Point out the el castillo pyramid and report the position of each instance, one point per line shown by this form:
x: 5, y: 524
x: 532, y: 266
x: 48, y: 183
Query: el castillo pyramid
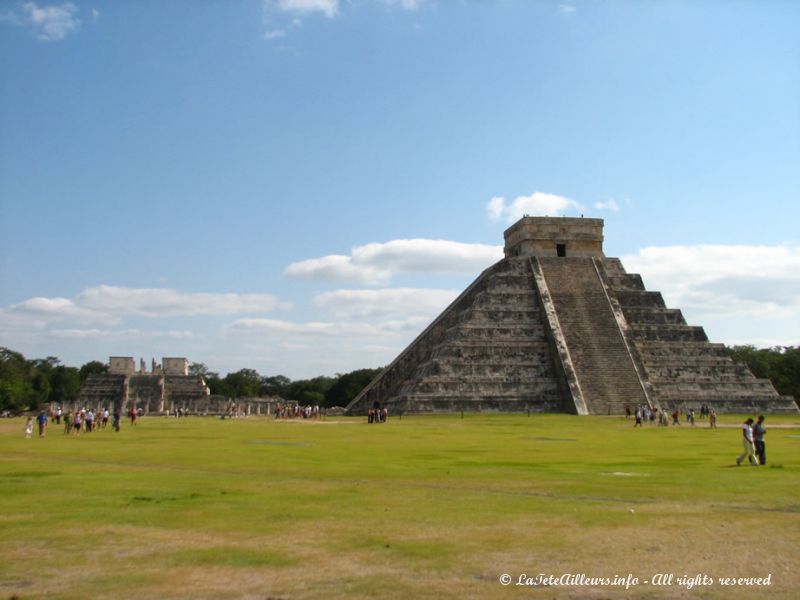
x: 556, y: 326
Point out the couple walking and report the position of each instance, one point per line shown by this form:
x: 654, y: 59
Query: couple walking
x: 755, y: 450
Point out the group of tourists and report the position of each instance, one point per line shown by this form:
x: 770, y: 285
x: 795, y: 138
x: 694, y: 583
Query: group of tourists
x: 646, y: 414
x: 377, y: 414
x: 85, y: 420
x: 755, y: 450
x: 753, y: 431
x: 296, y: 411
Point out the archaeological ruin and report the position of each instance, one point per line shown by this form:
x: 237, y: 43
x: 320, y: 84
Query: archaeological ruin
x: 556, y: 326
x: 165, y: 388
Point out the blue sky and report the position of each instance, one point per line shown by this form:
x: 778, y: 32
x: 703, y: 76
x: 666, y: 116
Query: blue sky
x: 300, y: 186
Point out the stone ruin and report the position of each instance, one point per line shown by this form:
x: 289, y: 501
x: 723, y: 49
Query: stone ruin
x: 556, y: 326
x: 164, y: 388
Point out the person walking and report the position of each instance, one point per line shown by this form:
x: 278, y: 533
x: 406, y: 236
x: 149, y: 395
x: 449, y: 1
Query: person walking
x: 29, y: 428
x: 89, y: 421
x: 759, y: 431
x: 747, y: 443
x: 42, y: 421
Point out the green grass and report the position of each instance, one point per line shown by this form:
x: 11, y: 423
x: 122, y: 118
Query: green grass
x: 423, y: 507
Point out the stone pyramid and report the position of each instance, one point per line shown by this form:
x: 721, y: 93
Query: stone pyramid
x: 556, y: 326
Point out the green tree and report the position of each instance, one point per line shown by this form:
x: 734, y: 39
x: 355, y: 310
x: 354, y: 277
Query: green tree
x: 65, y: 384
x: 780, y: 364
x: 348, y: 386
x: 245, y: 383
x: 216, y: 385
x: 94, y: 367
x: 201, y: 369
x: 274, y: 385
x: 16, y: 382
x: 309, y: 391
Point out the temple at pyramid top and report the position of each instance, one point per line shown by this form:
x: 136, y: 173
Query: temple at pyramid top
x: 557, y: 326
x: 555, y: 236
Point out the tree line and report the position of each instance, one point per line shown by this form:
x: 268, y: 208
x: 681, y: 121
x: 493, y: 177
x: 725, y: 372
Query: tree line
x: 780, y: 364
x: 322, y: 391
x: 27, y: 384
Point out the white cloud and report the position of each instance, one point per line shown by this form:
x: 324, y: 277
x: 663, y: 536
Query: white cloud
x: 95, y: 15
x: 327, y: 7
x: 537, y: 204
x: 743, y: 284
x: 109, y: 305
x: 424, y: 255
x: 321, y: 328
x: 566, y: 9
x: 376, y: 263
x: 405, y: 4
x: 609, y: 204
x: 162, y: 302
x: 335, y: 267
x: 118, y: 334
x: 48, y: 23
x: 281, y: 17
x: 274, y: 34
x: 37, y: 312
x: 359, y: 304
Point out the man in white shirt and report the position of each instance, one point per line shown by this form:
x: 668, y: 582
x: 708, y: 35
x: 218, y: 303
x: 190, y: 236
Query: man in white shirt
x: 747, y: 442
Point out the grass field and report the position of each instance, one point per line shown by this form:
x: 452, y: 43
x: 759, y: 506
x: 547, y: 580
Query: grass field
x: 423, y: 507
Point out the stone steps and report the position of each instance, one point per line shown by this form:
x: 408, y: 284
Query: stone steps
x: 423, y: 403
x: 637, y: 315
x: 670, y: 349
x: 103, y: 389
x: 667, y: 332
x: 683, y: 368
x: 602, y: 364
x: 632, y: 298
x: 723, y: 375
x: 488, y: 347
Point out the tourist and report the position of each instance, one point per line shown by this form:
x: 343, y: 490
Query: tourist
x: 89, y: 420
x: 42, y: 421
x: 115, y: 422
x: 58, y: 416
x: 105, y: 417
x: 747, y: 443
x: 759, y: 431
x: 132, y: 414
x: 76, y: 422
x: 638, y: 416
x: 29, y: 428
x: 690, y: 417
x: 712, y: 418
x: 68, y: 423
x: 676, y: 417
